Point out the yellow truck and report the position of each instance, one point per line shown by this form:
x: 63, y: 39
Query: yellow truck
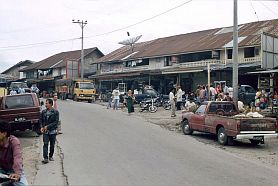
x: 77, y: 89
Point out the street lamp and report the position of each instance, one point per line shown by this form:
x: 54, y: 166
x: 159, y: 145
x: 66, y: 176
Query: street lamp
x: 82, y: 25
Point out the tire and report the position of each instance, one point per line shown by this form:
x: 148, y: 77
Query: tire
x: 90, y: 101
x: 254, y: 142
x: 74, y: 97
x: 185, y: 128
x: 222, y: 136
x: 152, y: 109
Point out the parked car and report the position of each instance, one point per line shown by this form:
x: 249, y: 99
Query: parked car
x: 218, y: 117
x: 22, y: 111
x: 16, y: 85
x: 246, y: 94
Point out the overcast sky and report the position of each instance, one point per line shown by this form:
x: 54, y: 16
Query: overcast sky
x: 37, y: 29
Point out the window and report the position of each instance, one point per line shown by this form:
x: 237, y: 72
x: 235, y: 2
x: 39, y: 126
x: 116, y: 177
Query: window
x: 167, y: 61
x: 249, y: 52
x: 201, y: 109
x: 196, y: 56
x: 144, y: 62
x: 229, y: 53
x: 87, y: 86
x: 226, y: 107
x: 29, y: 75
x: 249, y: 89
x: 151, y: 92
x: 21, y: 101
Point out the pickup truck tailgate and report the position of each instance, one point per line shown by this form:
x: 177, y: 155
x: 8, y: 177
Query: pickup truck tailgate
x: 258, y: 124
x: 12, y: 115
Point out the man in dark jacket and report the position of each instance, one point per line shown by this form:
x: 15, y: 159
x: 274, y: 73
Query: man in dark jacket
x: 49, y: 121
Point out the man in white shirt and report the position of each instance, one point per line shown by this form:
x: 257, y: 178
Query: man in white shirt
x: 179, y: 98
x: 116, y: 98
x: 13, y: 92
x: 212, y: 93
x: 173, y: 103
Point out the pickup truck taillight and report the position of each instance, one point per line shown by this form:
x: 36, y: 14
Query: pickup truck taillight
x: 238, y: 125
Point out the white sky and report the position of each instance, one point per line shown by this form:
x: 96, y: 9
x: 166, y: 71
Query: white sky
x: 25, y: 22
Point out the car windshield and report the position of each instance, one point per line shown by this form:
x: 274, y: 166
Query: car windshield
x: 20, y: 101
x: 151, y: 92
x: 87, y: 86
x: 250, y: 89
x: 18, y: 84
x: 201, y: 109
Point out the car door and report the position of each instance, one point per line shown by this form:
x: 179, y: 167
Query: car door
x: 198, y: 119
x: 210, y: 118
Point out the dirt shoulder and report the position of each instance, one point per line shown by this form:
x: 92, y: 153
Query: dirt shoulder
x: 267, y: 153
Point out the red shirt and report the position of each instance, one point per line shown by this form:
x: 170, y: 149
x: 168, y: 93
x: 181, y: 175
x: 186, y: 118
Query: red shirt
x: 11, y: 156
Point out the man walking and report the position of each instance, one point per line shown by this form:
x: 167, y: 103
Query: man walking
x: 49, y: 119
x: 116, y: 98
x: 173, y: 103
x: 55, y: 106
x: 179, y: 98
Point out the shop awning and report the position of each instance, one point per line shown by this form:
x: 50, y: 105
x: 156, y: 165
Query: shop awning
x: 181, y: 71
x: 114, y: 76
x: 264, y: 72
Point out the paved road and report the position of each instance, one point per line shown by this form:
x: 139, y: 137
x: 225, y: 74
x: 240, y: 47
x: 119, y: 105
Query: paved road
x: 106, y: 147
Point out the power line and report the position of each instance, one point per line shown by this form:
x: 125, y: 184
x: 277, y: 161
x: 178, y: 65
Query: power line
x: 106, y: 33
x: 268, y: 8
x: 254, y: 9
x: 35, y: 44
x: 144, y: 20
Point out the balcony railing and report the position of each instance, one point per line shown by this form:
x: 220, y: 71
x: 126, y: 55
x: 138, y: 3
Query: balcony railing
x: 245, y: 60
x: 130, y: 69
x: 203, y: 63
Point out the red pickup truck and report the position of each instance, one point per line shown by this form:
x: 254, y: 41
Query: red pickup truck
x: 22, y: 111
x: 219, y: 117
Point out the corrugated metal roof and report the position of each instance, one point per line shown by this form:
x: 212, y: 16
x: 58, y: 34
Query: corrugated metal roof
x: 58, y: 60
x: 21, y: 63
x: 197, y: 41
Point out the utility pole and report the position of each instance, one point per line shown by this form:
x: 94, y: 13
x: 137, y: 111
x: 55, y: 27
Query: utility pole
x: 209, y: 82
x: 82, y: 25
x: 235, y: 55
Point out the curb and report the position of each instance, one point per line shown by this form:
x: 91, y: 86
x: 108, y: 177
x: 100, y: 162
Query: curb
x: 51, y: 173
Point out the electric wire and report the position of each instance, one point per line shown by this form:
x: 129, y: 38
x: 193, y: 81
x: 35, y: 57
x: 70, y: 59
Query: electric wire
x: 268, y: 8
x: 254, y: 10
x: 13, y: 47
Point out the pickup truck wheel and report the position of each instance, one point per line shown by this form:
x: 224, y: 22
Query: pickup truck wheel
x: 186, y: 128
x: 254, y: 142
x: 222, y: 136
x: 74, y: 98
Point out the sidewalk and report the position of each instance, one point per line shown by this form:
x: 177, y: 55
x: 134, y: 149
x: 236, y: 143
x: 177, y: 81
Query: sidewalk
x: 52, y: 172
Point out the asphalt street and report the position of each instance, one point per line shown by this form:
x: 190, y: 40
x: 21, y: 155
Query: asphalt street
x: 107, y: 147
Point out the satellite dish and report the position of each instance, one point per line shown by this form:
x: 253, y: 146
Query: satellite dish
x: 130, y: 41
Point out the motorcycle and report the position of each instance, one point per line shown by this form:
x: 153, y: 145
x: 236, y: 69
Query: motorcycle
x: 149, y: 104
